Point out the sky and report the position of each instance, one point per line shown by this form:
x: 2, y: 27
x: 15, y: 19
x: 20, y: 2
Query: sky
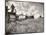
x: 28, y: 8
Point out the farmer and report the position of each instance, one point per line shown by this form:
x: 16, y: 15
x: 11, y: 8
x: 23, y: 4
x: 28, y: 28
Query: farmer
x: 12, y: 7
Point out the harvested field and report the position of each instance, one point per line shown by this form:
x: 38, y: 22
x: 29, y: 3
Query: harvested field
x: 25, y: 26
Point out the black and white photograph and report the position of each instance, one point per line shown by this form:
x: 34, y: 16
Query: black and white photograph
x: 24, y: 17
